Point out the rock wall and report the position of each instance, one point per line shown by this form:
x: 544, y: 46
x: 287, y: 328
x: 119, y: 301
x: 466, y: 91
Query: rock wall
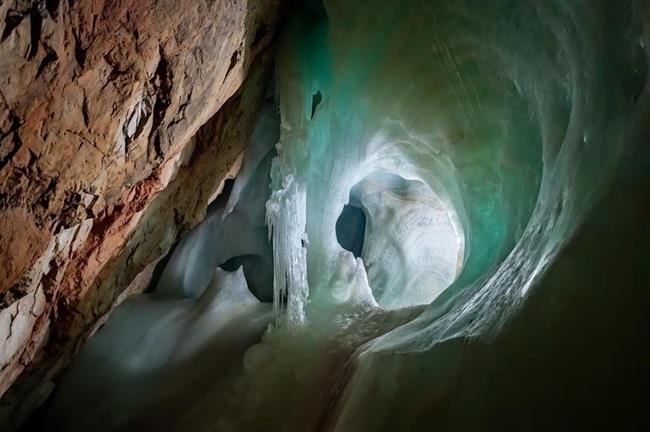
x: 119, y: 121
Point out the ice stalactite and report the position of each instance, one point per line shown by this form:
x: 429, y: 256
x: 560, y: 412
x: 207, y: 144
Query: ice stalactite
x: 286, y: 222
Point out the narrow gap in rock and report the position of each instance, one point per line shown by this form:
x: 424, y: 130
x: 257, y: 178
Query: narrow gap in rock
x: 234, y: 59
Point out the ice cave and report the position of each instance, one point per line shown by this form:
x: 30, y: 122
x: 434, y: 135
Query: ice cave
x: 438, y: 218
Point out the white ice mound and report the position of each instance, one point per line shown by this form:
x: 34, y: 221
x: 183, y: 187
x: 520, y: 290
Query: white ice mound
x: 349, y: 282
x: 155, y: 350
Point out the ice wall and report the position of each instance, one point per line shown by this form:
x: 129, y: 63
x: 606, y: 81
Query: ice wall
x: 399, y: 99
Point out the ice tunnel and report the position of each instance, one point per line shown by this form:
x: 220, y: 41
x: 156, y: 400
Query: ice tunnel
x: 441, y: 224
x: 409, y: 241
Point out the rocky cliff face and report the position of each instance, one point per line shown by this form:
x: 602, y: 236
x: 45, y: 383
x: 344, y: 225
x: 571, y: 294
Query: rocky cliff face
x: 119, y: 121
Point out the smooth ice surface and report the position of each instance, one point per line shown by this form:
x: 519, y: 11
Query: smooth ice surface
x: 162, y: 362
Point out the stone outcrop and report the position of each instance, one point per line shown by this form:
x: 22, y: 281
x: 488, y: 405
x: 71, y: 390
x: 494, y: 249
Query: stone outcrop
x: 119, y: 121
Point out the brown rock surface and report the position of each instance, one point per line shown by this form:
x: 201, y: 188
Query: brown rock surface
x: 109, y: 149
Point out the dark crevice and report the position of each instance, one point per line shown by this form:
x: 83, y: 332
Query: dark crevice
x: 16, y: 142
x: 52, y: 7
x: 234, y: 59
x: 36, y: 22
x: 15, y: 124
x: 316, y: 99
x: 79, y: 52
x: 159, y: 268
x: 157, y: 146
x: 50, y: 58
x: 224, y: 195
x: 115, y: 74
x: 84, y: 110
x: 12, y: 20
x: 162, y: 83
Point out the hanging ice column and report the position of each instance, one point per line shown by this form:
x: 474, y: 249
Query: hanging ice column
x: 311, y: 180
x: 302, y: 72
x: 286, y: 220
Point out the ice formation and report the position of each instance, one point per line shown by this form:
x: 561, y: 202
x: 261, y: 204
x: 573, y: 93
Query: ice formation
x: 412, y: 246
x: 500, y: 116
x: 162, y: 363
x: 233, y: 232
x: 477, y: 137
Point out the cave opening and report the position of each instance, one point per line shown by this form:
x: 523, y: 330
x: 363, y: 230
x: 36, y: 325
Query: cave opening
x: 409, y: 240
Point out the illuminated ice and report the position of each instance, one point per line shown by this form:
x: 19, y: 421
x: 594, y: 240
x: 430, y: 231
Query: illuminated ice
x: 413, y: 246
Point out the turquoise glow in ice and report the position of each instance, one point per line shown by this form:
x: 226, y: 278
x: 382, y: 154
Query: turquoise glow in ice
x: 412, y: 97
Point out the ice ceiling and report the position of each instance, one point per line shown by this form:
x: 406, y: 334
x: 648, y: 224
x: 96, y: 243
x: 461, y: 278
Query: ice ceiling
x: 475, y: 138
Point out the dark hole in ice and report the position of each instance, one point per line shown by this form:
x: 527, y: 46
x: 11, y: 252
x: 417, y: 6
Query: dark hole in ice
x: 316, y: 99
x: 351, y: 229
x: 259, y: 276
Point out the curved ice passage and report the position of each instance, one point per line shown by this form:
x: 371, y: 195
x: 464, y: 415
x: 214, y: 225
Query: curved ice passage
x: 507, y: 112
x: 526, y: 123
